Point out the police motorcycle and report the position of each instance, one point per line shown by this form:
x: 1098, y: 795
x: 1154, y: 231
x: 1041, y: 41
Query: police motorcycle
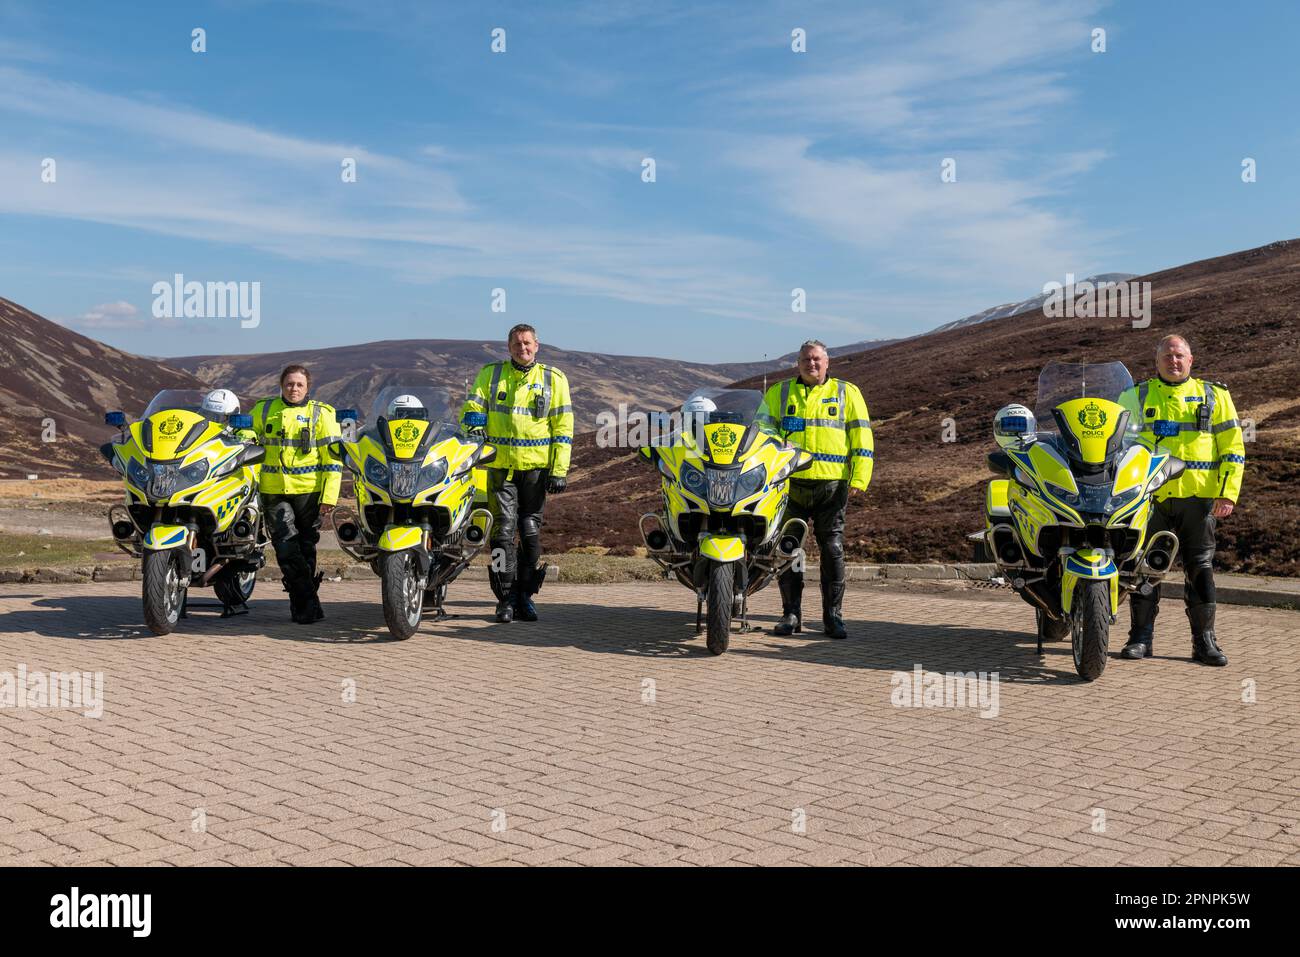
x: 1066, y: 519
x: 192, y: 513
x: 724, y: 471
x: 415, y: 523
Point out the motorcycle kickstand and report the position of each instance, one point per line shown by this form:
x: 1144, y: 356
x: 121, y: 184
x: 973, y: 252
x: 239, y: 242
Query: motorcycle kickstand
x: 699, y: 614
x: 230, y: 611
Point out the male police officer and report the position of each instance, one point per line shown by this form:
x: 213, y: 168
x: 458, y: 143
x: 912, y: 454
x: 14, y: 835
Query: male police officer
x: 828, y: 418
x: 523, y: 407
x: 1196, y: 421
x: 299, y: 483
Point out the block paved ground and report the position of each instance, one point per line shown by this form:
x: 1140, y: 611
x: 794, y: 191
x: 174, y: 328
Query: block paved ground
x: 541, y: 743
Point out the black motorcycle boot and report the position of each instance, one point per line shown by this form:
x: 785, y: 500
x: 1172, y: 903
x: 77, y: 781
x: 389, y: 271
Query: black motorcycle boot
x: 301, y: 597
x: 313, y: 609
x: 1142, y: 623
x: 295, y: 609
x: 525, y: 610
x: 506, y: 604
x: 791, y: 605
x: 1204, y: 648
x: 832, y: 599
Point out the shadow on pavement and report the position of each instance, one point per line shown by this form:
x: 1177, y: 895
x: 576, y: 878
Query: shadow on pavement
x: 643, y: 631
x: 873, y: 644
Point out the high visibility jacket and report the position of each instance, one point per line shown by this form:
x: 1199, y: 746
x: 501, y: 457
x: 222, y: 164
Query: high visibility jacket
x: 830, y: 421
x: 1196, y: 421
x: 527, y: 415
x: 297, y: 440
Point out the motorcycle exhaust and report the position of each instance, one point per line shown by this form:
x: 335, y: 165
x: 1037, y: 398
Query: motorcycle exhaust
x: 1005, y: 547
x: 656, y: 540
x: 123, y: 530
x: 480, y: 525
x: 1159, y: 556
x: 793, y: 533
x: 347, y: 532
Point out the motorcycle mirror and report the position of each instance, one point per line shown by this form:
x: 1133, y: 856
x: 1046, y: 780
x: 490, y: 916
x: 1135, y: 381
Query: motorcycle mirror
x: 1175, y: 467
x: 106, y: 450
x: 115, y: 418
x: 336, y: 449
x: 253, y: 454
x: 648, y: 453
x: 486, y: 454
x: 802, y: 461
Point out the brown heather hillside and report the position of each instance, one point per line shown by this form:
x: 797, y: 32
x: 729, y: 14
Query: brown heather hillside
x: 1239, y: 311
x: 350, y: 376
x: 48, y: 371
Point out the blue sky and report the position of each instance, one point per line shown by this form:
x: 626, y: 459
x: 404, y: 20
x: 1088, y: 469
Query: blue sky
x: 522, y: 170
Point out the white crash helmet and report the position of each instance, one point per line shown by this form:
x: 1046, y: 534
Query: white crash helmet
x: 699, y: 405
x: 403, y: 404
x: 221, y: 402
x: 1013, y: 422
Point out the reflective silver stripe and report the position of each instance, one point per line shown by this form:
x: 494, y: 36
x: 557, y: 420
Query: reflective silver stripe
x: 785, y: 396
x: 275, y: 443
x: 1207, y: 390
x: 315, y: 414
x: 1142, y: 397
x: 1225, y: 425
x: 826, y: 423
x: 266, y: 411
x: 561, y: 410
x: 492, y: 390
x: 543, y: 408
x: 841, y: 396
x: 516, y: 409
x: 858, y: 424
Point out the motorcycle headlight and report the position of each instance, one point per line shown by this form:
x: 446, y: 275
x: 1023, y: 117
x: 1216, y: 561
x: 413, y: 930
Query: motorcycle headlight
x: 376, y: 473
x: 402, y: 479
x: 722, y: 487
x: 193, y: 474
x: 693, y: 481
x: 1064, y: 494
x: 433, y: 473
x: 167, y: 478
x: 138, y: 474
x: 1123, y: 498
x: 750, y: 482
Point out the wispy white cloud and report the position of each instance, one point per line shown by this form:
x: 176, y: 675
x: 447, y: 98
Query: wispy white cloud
x: 109, y: 315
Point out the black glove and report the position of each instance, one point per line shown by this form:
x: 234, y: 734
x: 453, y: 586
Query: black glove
x: 555, y: 483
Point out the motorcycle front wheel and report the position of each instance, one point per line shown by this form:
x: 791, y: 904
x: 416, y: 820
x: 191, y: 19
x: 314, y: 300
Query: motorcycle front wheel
x: 403, y: 593
x: 1090, y: 628
x: 722, y: 580
x: 163, y: 589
